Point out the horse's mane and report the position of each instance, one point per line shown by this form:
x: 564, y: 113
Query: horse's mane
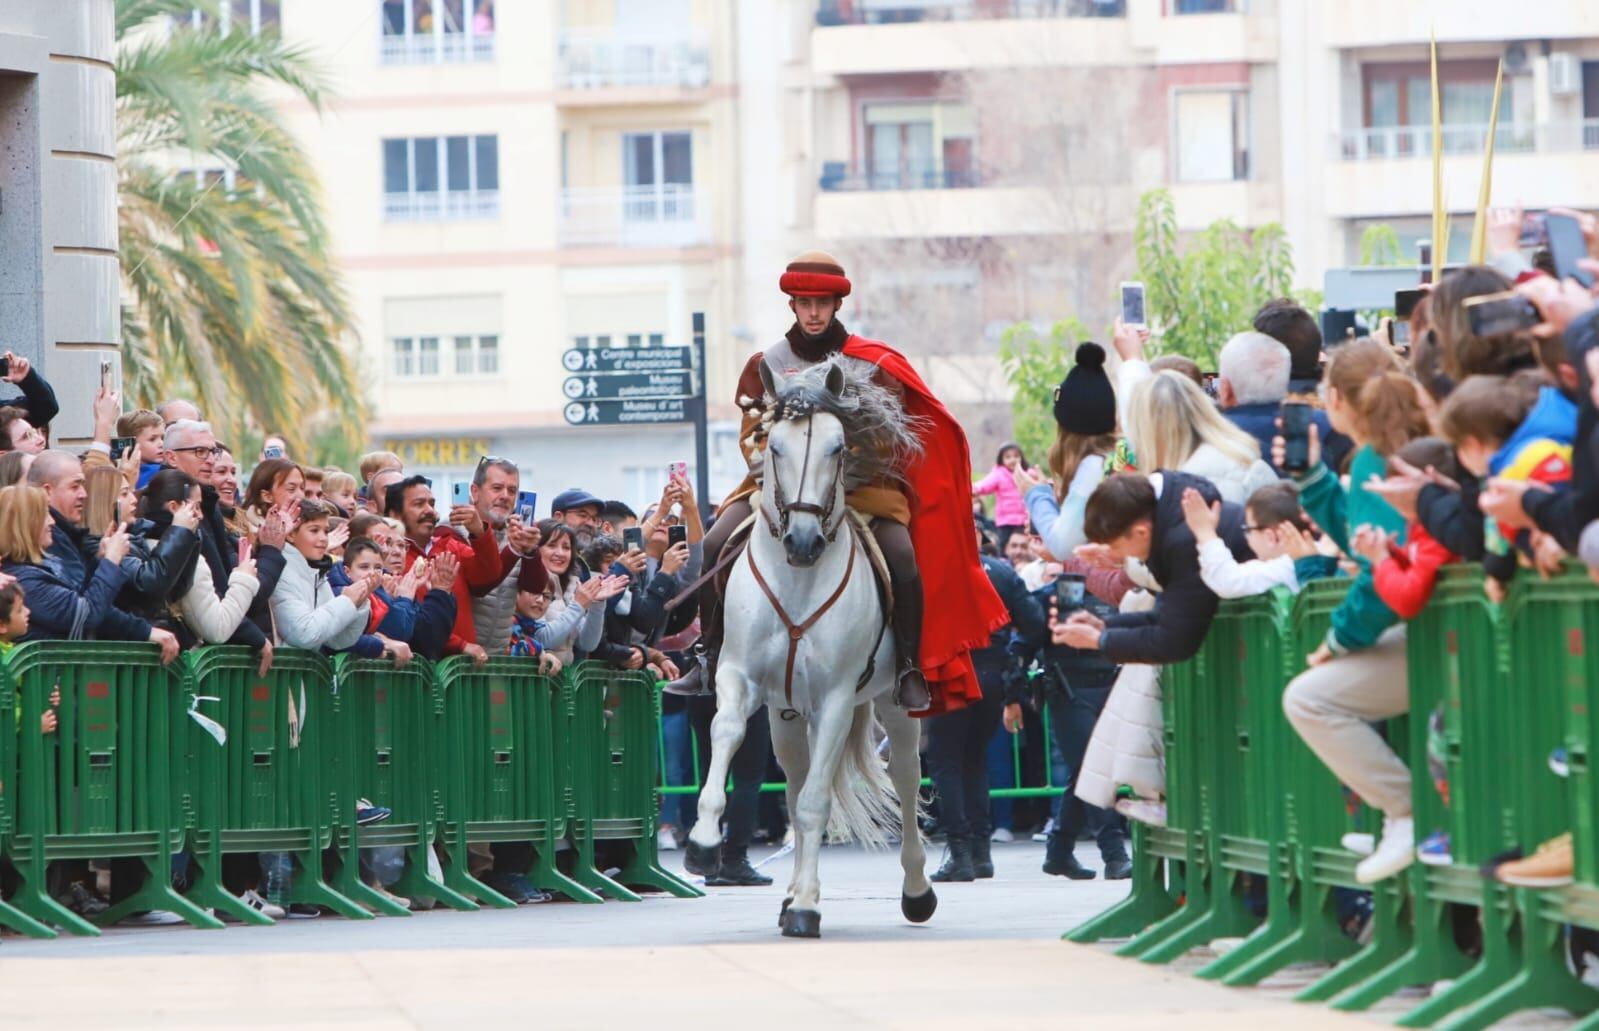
x: 881, y: 436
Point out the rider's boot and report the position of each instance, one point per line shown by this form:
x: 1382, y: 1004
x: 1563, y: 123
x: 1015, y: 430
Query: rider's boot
x: 910, y: 687
x: 700, y: 677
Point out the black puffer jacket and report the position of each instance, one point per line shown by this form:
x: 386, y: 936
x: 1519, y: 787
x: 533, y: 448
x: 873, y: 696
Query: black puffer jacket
x: 159, y: 567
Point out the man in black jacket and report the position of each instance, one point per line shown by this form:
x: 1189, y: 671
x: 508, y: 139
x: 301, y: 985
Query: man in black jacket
x: 38, y: 400
x: 1136, y: 516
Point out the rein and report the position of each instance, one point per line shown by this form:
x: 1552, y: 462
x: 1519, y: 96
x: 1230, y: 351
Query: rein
x: 786, y: 508
x: 796, y: 631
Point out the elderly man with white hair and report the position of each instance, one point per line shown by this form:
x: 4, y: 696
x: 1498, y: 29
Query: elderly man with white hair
x: 1251, y: 383
x: 176, y: 409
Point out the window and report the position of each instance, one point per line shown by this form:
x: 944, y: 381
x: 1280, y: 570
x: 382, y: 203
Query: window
x: 437, y: 31
x: 451, y: 177
x: 1212, y: 135
x: 658, y: 174
x: 427, y: 356
x: 581, y: 343
x: 919, y: 145
x: 1397, y: 109
x: 477, y: 356
x: 488, y: 355
x: 462, y: 355
x: 657, y: 340
x: 1205, y: 6
x: 246, y: 15
x: 404, y: 356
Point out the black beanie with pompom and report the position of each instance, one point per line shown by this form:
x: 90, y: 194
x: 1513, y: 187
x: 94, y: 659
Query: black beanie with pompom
x: 1084, y: 402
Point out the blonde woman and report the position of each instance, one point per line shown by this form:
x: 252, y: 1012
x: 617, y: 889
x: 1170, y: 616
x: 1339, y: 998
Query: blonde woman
x: 1171, y: 424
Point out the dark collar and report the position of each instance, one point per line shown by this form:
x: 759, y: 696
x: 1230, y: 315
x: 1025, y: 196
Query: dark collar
x: 815, y: 349
x: 63, y: 523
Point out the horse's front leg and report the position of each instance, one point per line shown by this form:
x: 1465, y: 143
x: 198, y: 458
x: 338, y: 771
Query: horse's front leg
x: 828, y: 741
x: 917, y: 900
x: 792, y: 746
x: 734, y: 703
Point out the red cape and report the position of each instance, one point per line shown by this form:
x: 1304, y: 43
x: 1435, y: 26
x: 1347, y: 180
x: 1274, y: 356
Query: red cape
x: 962, y: 609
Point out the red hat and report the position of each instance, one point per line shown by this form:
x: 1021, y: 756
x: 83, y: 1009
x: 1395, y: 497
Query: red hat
x: 814, y: 274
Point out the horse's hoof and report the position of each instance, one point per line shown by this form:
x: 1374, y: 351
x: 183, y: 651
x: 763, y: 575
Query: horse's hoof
x: 918, y: 909
x: 781, y: 913
x: 801, y: 923
x: 698, y: 859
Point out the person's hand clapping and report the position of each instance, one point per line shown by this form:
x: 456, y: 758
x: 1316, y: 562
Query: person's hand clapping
x: 1026, y: 479
x: 1202, y: 518
x: 1296, y: 544
x: 246, y: 559
x: 1098, y: 555
x: 358, y: 592
x: 413, y: 579
x: 445, y: 569
x: 1503, y: 499
x: 1371, y: 543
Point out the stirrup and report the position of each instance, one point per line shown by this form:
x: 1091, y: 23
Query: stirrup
x: 698, y: 681
x: 911, y: 692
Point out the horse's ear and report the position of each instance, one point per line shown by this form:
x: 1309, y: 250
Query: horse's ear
x: 767, y: 382
x: 835, y: 380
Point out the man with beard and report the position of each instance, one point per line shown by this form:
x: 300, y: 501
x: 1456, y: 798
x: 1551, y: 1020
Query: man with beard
x: 411, y: 501
x: 494, y: 490
x: 580, y: 511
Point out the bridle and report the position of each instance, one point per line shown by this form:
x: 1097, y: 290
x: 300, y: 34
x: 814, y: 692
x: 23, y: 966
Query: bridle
x: 792, y: 411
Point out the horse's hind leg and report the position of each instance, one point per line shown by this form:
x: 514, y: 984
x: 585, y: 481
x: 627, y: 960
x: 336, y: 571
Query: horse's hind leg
x: 812, y: 806
x: 733, y: 708
x: 917, y: 900
x: 792, y: 745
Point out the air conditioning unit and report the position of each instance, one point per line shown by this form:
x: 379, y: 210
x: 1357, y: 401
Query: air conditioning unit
x: 1565, y: 74
x: 1517, y: 60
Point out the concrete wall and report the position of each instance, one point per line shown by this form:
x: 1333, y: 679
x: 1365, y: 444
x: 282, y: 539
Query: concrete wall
x: 59, y: 277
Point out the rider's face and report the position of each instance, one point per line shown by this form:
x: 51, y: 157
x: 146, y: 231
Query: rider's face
x: 814, y: 314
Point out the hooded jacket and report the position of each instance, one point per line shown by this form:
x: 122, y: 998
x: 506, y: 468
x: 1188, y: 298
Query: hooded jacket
x: 1009, y: 509
x: 1538, y: 451
x: 1362, y: 616
x: 307, y: 613
x: 1563, y: 514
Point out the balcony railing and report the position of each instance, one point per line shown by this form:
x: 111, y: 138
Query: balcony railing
x: 448, y: 206
x: 663, y: 215
x: 888, y: 12
x: 840, y: 178
x: 437, y: 48
x: 1415, y: 141
x: 593, y: 59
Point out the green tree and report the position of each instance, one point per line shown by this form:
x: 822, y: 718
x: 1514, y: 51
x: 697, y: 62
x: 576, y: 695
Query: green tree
x: 1035, y: 365
x: 231, y: 294
x: 1201, y: 293
x: 1379, y: 246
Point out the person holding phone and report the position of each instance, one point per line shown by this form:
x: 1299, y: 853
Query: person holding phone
x: 37, y: 399
x: 477, y: 557
x: 494, y: 493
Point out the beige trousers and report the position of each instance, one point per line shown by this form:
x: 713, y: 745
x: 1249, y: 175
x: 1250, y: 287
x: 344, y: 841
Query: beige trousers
x: 1333, y: 706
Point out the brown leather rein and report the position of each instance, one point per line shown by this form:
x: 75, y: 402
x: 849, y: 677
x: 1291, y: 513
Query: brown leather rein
x: 796, y: 631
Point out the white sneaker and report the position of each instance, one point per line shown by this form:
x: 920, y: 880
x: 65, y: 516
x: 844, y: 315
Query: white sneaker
x: 154, y: 918
x: 1359, y: 843
x: 256, y: 901
x: 1002, y: 834
x: 1143, y: 810
x: 666, y: 839
x: 1394, y: 852
x: 1042, y: 837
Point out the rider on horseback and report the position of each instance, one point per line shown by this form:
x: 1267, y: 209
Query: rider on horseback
x: 816, y: 286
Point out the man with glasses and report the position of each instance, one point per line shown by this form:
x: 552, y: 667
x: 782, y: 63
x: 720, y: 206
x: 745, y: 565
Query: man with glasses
x: 580, y: 511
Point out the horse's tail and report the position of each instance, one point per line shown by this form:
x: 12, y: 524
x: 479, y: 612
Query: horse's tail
x: 864, y: 806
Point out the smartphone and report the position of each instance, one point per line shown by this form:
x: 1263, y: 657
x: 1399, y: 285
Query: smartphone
x: 106, y: 375
x: 633, y: 538
x: 677, y: 469
x: 5, y: 366
x: 1133, y: 305
x: 1069, y: 593
x: 1534, y: 231
x: 121, y: 446
x: 1405, y: 302
x: 527, y: 506
x: 676, y: 535
x: 1494, y: 315
x: 461, y: 494
x: 272, y: 452
x: 1567, y: 247
x: 1400, y: 330
x: 1296, y: 419
x: 1212, y: 391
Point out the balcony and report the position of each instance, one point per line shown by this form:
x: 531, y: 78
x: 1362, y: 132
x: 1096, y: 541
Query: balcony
x: 606, y: 59
x: 888, y: 12
x: 838, y: 177
x: 436, y: 48
x: 662, y: 215
x: 1388, y: 172
x: 1386, y: 23
x: 448, y: 206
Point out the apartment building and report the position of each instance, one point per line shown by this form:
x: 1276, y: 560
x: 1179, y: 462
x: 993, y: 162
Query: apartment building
x: 977, y: 162
x: 507, y: 180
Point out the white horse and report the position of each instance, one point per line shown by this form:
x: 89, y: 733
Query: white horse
x: 804, y: 627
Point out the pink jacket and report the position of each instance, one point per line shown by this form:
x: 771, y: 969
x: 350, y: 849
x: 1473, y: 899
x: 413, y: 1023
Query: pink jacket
x: 1009, y: 509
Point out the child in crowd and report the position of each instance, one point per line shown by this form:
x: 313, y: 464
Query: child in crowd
x: 1277, y: 532
x: 13, y: 624
x: 1404, y: 575
x: 314, y: 479
x: 304, y: 608
x: 531, y: 607
x: 372, y: 463
x: 149, y: 433
x: 1513, y: 428
x: 338, y: 490
x: 1010, y: 511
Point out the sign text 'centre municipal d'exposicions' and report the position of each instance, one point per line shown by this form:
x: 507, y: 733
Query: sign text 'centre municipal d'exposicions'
x: 627, y: 359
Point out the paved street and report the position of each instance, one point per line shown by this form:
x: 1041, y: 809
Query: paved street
x: 991, y: 957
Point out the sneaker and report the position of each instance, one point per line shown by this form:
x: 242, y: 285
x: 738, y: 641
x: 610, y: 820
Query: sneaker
x: 302, y: 911
x: 666, y: 839
x: 1435, y: 850
x: 399, y: 900
x: 1143, y: 810
x: 1559, y: 762
x: 1549, y: 867
x: 1359, y: 842
x: 153, y: 918
x: 81, y: 900
x: 256, y: 901
x: 517, y: 888
x: 1002, y: 835
x: 1395, y: 851
x: 1042, y: 837
x: 366, y: 812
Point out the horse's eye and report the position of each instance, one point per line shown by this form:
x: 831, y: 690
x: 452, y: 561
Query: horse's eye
x: 835, y: 450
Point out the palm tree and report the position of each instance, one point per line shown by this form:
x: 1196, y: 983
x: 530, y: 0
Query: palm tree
x: 230, y: 294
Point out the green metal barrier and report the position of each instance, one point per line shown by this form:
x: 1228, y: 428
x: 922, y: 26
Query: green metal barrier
x: 611, y: 720
x: 10, y: 718
x: 272, y: 787
x: 102, y: 785
x: 506, y: 779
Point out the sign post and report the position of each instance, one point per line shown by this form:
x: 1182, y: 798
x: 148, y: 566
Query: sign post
x: 702, y: 444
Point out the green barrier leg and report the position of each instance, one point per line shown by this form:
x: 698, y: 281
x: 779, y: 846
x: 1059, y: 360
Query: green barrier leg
x: 19, y: 921
x: 416, y: 882
x: 35, y: 903
x: 1497, y: 965
x: 1432, y: 955
x: 645, y: 870
x: 458, y: 878
x: 347, y: 881
x: 1226, y: 916
x: 1146, y: 904
x: 588, y: 874
x: 309, y: 888
x: 1279, y: 925
x: 207, y: 891
x: 549, y: 876
x: 1315, y: 936
x: 1390, y: 937
x: 1542, y: 981
x: 1195, y: 898
x: 157, y: 893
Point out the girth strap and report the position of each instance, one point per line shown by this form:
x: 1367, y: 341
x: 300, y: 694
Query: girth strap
x: 796, y: 631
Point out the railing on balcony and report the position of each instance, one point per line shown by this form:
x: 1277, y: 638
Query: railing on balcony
x: 840, y: 178
x: 597, y: 58
x: 1415, y: 141
x: 448, y: 206
x: 662, y: 215
x: 437, y: 48
x: 888, y: 12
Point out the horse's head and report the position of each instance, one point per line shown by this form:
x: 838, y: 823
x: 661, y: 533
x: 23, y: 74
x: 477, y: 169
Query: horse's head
x: 803, y: 495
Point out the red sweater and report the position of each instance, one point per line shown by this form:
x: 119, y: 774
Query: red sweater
x: 481, y: 569
x: 1405, y: 579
